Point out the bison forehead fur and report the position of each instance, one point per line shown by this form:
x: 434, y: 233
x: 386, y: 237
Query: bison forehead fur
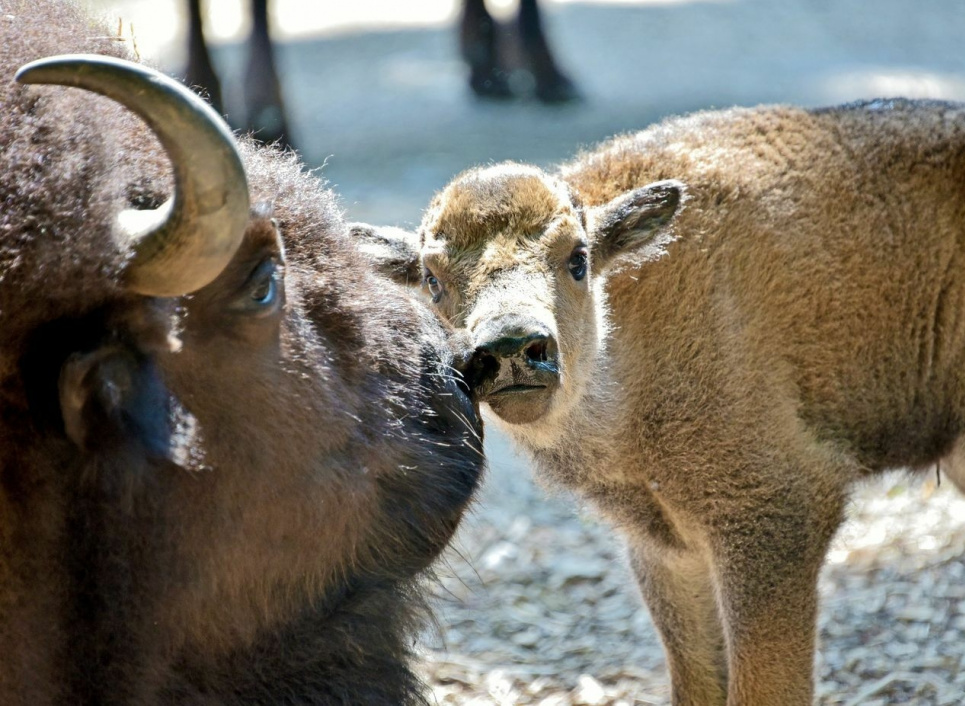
x: 226, y: 497
x: 796, y: 322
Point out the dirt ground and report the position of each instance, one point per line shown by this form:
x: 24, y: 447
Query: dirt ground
x: 535, y: 603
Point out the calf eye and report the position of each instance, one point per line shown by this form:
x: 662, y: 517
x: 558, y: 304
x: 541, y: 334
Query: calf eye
x: 434, y: 285
x: 578, y: 263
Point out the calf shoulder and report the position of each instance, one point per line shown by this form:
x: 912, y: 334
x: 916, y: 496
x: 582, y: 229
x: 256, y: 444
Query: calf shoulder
x: 815, y: 277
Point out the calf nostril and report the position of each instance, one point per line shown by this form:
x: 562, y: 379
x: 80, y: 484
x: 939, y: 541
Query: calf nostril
x: 483, y: 368
x: 536, y: 351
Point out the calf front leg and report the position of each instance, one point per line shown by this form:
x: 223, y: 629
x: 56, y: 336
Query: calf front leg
x: 767, y: 556
x: 677, y: 587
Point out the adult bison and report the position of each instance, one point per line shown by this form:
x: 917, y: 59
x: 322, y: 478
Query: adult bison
x: 228, y: 452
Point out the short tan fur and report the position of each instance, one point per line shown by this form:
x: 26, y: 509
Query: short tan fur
x: 772, y: 308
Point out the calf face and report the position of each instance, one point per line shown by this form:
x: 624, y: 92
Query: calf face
x: 510, y: 256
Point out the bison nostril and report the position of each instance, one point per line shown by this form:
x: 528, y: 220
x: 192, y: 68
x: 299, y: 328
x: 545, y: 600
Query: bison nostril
x: 536, y: 351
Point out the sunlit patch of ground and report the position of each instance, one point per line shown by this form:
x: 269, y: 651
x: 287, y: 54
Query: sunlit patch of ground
x: 545, y: 612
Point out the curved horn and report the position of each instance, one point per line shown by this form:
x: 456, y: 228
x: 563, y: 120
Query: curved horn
x: 187, y: 242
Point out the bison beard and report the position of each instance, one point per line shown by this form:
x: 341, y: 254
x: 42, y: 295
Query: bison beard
x: 230, y: 496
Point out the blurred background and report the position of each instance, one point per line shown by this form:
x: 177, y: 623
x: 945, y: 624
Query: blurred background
x: 535, y: 602
x: 376, y: 89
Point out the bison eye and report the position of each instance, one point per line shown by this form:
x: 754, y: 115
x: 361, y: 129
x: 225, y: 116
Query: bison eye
x: 262, y: 288
x: 578, y: 263
x: 264, y: 295
x: 435, y: 286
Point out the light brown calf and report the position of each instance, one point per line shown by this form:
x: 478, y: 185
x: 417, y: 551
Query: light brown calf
x: 785, y: 319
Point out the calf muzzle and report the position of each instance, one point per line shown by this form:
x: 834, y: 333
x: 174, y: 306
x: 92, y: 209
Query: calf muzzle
x: 515, y: 368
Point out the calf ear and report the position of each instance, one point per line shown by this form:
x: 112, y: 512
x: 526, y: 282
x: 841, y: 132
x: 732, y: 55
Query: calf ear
x: 633, y: 220
x: 393, y: 251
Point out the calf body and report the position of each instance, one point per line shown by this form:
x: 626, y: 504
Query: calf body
x: 738, y: 314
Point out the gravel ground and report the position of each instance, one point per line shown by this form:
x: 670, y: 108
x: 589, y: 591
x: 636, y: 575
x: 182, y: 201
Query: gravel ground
x: 535, y: 603
x: 538, y: 607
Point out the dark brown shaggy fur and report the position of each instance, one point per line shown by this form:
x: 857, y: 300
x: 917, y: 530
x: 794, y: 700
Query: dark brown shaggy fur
x: 202, y: 502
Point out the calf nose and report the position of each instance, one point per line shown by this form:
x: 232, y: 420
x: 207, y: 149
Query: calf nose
x: 532, y: 345
x: 520, y: 350
x: 525, y: 340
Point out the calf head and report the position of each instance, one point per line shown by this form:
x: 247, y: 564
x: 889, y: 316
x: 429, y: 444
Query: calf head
x: 511, y: 257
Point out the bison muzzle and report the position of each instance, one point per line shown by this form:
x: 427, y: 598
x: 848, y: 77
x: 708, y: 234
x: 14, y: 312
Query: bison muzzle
x: 229, y: 451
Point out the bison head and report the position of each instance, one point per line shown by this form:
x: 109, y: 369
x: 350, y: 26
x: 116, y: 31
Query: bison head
x: 511, y: 257
x: 228, y: 451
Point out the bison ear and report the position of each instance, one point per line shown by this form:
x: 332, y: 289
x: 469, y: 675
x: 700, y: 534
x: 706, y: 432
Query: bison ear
x: 393, y: 251
x: 633, y: 220
x: 113, y: 395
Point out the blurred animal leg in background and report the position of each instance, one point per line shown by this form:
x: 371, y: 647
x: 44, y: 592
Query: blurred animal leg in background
x: 264, y: 105
x: 552, y: 85
x: 199, y: 73
x: 479, y: 45
x: 492, y: 52
x: 495, y: 52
